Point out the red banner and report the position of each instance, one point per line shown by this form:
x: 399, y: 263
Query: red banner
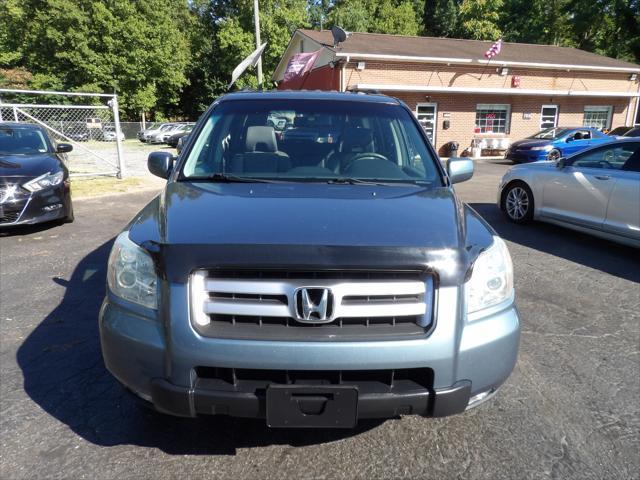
x: 299, y: 64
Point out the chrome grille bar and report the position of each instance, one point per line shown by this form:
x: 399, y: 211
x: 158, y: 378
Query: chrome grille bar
x: 358, y: 298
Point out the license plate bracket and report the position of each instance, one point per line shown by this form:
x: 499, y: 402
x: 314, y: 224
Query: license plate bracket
x: 304, y: 406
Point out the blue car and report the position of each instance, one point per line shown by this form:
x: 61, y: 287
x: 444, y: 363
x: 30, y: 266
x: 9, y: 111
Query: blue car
x: 553, y: 143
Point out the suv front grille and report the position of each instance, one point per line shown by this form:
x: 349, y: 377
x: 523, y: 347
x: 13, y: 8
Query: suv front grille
x: 267, y: 305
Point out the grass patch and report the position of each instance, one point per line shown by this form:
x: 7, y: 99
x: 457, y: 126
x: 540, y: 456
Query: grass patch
x: 94, y: 187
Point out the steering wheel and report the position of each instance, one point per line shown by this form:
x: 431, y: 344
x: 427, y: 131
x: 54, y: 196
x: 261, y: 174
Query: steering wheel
x: 368, y: 155
x: 362, y: 155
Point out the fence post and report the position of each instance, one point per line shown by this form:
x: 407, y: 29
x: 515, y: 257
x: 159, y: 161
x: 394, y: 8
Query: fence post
x: 1, y: 110
x: 116, y: 120
x: 15, y: 114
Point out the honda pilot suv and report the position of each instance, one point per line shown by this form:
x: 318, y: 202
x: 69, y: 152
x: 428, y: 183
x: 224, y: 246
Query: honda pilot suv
x: 311, y: 276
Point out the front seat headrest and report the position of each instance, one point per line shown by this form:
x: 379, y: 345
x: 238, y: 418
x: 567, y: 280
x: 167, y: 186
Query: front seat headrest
x: 261, y: 139
x: 357, y: 140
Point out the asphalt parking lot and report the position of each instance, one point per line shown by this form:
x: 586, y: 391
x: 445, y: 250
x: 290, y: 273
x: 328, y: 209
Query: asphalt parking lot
x: 571, y: 409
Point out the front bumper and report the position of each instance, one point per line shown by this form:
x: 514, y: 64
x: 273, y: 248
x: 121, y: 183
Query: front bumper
x: 44, y: 206
x: 526, y: 156
x: 187, y: 402
x: 158, y: 359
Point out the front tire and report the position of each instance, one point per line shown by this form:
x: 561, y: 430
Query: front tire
x: 517, y: 203
x: 70, y: 216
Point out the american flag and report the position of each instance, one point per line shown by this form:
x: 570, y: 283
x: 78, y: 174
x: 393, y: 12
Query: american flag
x: 494, y: 50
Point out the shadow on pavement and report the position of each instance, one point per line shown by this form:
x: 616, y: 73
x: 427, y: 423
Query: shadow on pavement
x: 30, y: 229
x: 64, y: 374
x: 592, y: 252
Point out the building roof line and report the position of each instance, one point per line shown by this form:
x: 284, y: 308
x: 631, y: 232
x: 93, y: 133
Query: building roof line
x: 401, y: 58
x: 481, y: 62
x: 491, y: 91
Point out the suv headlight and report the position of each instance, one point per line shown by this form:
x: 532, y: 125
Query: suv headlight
x: 44, y: 181
x: 491, y: 282
x: 131, y: 274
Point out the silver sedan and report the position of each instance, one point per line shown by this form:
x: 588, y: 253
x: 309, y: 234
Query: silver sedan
x: 596, y: 191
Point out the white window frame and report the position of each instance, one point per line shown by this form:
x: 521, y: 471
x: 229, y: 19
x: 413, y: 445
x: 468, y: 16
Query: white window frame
x: 435, y: 117
x: 555, y: 120
x: 598, y: 108
x: 495, y: 106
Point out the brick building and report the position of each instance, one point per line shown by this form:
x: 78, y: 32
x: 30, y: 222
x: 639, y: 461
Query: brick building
x: 458, y: 95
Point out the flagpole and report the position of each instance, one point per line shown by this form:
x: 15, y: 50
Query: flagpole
x: 489, y: 56
x: 256, y: 20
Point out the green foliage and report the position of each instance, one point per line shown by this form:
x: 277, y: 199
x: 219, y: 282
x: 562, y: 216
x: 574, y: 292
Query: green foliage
x: 440, y: 18
x: 479, y: 19
x: 173, y: 57
x: 378, y: 16
x: 137, y: 48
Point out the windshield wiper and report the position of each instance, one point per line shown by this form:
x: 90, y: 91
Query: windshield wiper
x: 230, y: 178
x: 359, y: 181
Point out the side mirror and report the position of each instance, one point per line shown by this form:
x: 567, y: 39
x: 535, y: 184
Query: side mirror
x: 160, y: 164
x: 569, y: 139
x: 561, y: 163
x: 459, y: 169
x: 64, y: 148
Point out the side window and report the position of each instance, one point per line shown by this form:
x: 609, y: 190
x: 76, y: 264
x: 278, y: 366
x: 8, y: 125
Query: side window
x: 611, y: 156
x: 413, y: 162
x: 633, y: 162
x: 581, y: 135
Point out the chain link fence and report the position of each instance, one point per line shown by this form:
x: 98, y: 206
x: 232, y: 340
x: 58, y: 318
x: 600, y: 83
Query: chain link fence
x: 88, y: 121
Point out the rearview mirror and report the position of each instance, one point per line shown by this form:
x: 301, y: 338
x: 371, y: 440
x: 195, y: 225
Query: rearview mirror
x: 160, y: 163
x: 459, y: 169
x: 561, y: 163
x: 64, y: 148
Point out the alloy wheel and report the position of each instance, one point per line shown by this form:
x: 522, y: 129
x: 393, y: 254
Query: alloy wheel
x: 554, y: 155
x: 517, y: 203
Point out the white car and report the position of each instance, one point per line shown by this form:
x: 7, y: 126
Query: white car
x: 109, y: 135
x: 150, y: 132
x: 595, y: 191
x: 158, y: 136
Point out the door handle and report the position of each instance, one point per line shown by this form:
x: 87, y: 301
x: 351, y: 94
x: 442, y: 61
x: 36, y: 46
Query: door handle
x: 602, y: 177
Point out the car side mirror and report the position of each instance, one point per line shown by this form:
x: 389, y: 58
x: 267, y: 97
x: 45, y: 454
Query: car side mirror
x: 561, y: 163
x: 459, y: 169
x: 64, y: 148
x: 569, y: 139
x: 160, y: 163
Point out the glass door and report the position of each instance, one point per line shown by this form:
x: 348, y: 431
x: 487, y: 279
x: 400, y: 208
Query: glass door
x: 427, y: 114
x: 548, y: 116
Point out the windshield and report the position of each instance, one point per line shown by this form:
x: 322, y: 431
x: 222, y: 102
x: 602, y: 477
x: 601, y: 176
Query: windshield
x: 551, y: 133
x: 22, y: 141
x: 311, y: 140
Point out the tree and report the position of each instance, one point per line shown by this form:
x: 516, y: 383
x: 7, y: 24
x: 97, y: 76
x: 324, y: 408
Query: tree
x: 138, y: 48
x: 376, y: 16
x: 479, y: 19
x: 440, y: 18
x: 615, y: 33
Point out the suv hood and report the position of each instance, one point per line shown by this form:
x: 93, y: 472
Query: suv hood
x: 298, y: 225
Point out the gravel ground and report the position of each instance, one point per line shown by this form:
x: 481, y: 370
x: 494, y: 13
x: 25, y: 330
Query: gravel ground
x: 570, y: 410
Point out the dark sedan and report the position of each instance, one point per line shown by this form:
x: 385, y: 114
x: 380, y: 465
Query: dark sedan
x: 34, y: 181
x: 173, y: 139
